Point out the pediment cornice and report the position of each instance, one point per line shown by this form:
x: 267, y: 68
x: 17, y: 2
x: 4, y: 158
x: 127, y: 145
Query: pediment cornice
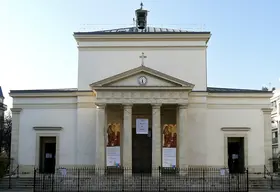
x: 110, y: 82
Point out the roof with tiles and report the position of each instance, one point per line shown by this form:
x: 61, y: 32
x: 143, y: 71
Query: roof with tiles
x: 233, y: 90
x: 147, y: 30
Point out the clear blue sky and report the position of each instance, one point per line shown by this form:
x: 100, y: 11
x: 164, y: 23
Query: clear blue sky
x: 38, y: 50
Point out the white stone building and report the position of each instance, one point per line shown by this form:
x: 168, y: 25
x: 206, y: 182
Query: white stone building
x: 136, y: 101
x: 275, y: 122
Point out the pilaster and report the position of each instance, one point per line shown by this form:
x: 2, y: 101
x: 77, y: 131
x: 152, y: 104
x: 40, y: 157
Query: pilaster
x: 156, y: 136
x: 182, y: 133
x: 100, y: 136
x: 267, y: 137
x: 15, y: 135
x: 127, y: 136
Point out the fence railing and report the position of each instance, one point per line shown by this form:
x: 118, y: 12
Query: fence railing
x: 123, y: 179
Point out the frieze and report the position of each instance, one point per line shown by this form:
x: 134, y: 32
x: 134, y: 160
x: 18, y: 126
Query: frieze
x: 142, y: 96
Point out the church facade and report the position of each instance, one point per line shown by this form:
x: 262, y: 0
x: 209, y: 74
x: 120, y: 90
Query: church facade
x: 142, y: 101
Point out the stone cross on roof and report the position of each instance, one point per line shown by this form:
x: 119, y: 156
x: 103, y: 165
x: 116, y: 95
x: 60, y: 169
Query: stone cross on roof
x: 142, y: 57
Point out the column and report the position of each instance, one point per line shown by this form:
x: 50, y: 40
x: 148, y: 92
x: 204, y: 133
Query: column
x: 156, y: 137
x: 267, y: 137
x: 127, y: 136
x: 100, y: 137
x: 15, y: 135
x: 182, y: 135
x: 278, y: 130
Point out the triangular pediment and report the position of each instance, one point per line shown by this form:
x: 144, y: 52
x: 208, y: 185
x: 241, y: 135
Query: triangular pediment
x: 132, y: 78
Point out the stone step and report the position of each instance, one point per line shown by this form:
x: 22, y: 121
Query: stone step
x: 28, y: 182
x: 23, y: 183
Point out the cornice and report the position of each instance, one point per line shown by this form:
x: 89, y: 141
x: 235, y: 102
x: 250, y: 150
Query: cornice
x: 266, y: 110
x: 183, y: 105
x: 53, y: 94
x: 140, y: 48
x: 235, y: 128
x: 49, y: 128
x: 143, y: 88
x: 235, y: 106
x: 239, y: 95
x: 105, y: 83
x: 198, y: 94
x: 131, y: 101
x: 141, y: 37
x: 16, y: 109
x: 86, y: 105
x: 47, y: 106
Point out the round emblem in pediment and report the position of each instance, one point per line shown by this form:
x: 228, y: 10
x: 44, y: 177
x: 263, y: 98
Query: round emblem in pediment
x: 142, y: 80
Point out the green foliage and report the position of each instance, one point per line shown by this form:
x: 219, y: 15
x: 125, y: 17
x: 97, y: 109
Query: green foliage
x: 4, y: 163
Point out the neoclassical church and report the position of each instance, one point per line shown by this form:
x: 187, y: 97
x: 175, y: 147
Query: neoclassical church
x: 142, y: 101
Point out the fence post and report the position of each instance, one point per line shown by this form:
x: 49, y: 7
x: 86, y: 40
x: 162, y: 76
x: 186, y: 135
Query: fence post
x: 34, y: 180
x: 203, y: 178
x: 141, y: 182
x: 229, y: 176
x: 159, y: 175
x: 18, y: 171
x: 78, y: 179
x: 238, y: 183
x: 271, y: 178
x: 123, y: 171
x: 247, y: 187
x: 10, y: 180
x: 52, y: 181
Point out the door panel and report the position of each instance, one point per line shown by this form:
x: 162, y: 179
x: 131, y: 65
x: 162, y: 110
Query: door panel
x: 141, y: 152
x: 50, y: 149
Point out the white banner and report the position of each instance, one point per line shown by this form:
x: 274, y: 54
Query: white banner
x: 169, y: 157
x: 113, y: 155
x: 142, y: 126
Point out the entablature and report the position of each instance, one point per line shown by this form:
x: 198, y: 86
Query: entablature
x: 142, y: 96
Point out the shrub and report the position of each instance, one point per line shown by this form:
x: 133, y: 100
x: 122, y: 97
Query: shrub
x: 4, y: 164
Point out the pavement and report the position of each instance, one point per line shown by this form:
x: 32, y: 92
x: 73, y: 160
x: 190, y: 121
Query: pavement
x: 14, y: 190
x: 17, y: 190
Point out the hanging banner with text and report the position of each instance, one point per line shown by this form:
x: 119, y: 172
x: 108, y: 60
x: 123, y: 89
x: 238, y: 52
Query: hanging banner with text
x: 169, y: 133
x: 113, y: 149
x: 142, y: 126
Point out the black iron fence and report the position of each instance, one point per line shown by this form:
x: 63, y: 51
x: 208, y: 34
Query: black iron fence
x: 123, y: 179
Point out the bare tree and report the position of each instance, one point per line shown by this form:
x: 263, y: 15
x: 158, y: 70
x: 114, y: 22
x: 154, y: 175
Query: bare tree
x: 5, y: 134
x: 264, y: 88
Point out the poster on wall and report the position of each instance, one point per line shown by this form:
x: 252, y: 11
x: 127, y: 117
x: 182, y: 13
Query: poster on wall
x: 113, y: 149
x: 142, y: 126
x: 169, y: 145
x: 113, y: 156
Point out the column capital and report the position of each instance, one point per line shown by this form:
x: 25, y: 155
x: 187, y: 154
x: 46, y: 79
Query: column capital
x: 266, y: 110
x: 16, y: 110
x: 182, y: 105
x: 127, y: 105
x: 100, y: 105
x: 156, y: 105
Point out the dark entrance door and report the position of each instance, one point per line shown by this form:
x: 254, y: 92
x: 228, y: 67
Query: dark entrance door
x: 49, y: 163
x: 47, y: 154
x: 141, y: 152
x: 236, y: 162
